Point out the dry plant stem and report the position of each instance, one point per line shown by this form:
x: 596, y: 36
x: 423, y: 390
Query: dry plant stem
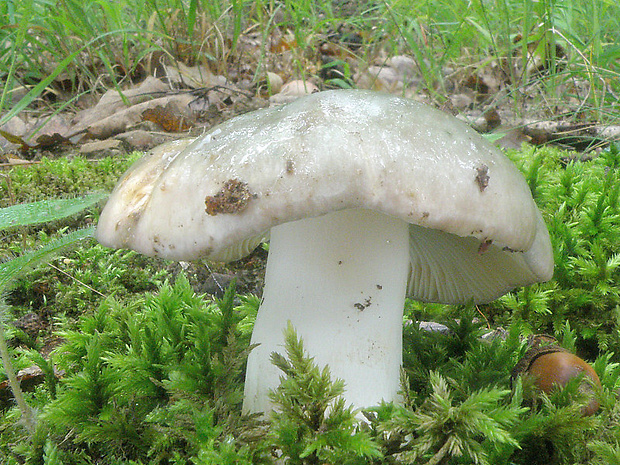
x: 27, y: 413
x: 9, y: 188
x: 78, y: 281
x: 484, y: 316
x: 439, y: 455
x: 21, y: 163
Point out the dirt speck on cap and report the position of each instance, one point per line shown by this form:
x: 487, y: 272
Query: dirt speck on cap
x: 482, y: 178
x: 233, y: 197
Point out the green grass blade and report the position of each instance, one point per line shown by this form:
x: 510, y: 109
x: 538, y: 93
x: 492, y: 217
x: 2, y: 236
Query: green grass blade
x: 40, y: 87
x: 16, y: 42
x: 62, y: 66
x: 46, y: 210
x: 11, y: 269
x: 191, y: 17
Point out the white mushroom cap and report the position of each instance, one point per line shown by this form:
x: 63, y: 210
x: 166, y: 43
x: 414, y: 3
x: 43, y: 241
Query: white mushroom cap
x: 475, y: 230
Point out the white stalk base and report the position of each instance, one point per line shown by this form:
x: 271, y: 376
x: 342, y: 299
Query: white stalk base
x: 340, y: 279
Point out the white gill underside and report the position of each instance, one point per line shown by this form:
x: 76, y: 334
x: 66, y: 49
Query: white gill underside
x: 450, y: 269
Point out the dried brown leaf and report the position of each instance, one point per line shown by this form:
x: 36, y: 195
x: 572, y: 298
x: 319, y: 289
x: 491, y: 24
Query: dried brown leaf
x: 13, y: 139
x: 167, y: 119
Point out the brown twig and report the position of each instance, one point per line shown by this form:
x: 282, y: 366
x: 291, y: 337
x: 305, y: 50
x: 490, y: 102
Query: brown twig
x: 484, y: 316
x: 20, y: 163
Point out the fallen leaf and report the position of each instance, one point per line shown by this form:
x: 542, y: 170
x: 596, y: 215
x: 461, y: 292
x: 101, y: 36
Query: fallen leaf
x: 112, y: 103
x: 13, y: 139
x: 46, y: 141
x: 124, y: 120
x: 193, y: 77
x: 292, y: 91
x: 167, y: 119
x: 581, y: 136
x: 283, y: 44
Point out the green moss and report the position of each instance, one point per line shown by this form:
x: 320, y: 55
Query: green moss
x: 159, y: 370
x: 579, y: 201
x: 64, y: 177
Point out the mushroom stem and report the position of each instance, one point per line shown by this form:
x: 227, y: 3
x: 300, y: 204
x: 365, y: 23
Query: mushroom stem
x: 340, y: 279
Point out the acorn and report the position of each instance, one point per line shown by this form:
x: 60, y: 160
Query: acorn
x: 552, y: 366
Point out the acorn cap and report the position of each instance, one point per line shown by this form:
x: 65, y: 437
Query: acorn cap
x: 538, y: 344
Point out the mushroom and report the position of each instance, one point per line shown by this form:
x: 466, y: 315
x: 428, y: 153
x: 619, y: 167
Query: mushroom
x: 367, y: 198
